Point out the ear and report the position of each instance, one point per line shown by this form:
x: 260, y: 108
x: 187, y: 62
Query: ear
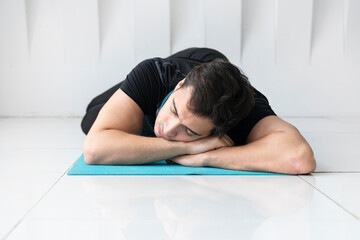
x: 179, y: 84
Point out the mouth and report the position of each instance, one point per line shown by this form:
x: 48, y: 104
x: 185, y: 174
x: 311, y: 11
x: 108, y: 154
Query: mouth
x: 160, y: 132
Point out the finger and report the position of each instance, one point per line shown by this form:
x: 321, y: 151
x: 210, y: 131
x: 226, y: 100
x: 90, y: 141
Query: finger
x: 228, y: 140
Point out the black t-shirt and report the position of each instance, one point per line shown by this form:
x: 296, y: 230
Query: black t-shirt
x: 153, y: 79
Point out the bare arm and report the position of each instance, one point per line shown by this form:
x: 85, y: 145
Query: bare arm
x: 114, y: 137
x: 273, y: 146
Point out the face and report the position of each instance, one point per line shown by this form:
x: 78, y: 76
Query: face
x: 175, y: 122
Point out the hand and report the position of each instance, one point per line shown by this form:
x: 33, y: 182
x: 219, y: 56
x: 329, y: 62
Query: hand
x: 197, y: 160
x: 209, y: 143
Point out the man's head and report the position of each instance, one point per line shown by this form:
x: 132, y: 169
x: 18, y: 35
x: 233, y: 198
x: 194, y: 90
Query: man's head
x: 212, y: 99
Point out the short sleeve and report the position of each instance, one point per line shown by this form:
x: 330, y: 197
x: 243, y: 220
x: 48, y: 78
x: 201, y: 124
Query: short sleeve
x: 144, y: 86
x: 260, y: 110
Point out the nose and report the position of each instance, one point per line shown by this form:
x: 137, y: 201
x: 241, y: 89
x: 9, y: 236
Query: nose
x: 170, y: 129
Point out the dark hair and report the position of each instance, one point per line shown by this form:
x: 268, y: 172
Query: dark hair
x: 221, y: 92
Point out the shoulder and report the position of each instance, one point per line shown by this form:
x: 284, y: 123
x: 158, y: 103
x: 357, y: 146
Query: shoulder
x: 268, y: 125
x: 144, y: 85
x: 174, y: 69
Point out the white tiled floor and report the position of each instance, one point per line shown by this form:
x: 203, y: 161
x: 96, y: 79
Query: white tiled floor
x: 39, y: 201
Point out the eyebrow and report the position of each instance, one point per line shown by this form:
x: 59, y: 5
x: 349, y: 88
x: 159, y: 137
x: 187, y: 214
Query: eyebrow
x: 176, y: 112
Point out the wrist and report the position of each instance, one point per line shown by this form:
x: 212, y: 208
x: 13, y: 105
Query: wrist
x: 183, y: 148
x: 208, y: 158
x: 186, y: 148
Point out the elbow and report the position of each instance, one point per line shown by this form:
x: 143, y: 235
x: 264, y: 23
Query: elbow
x: 89, y: 157
x: 89, y: 153
x: 303, y: 161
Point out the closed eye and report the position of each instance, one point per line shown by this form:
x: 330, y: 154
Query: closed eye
x: 187, y: 131
x: 175, y: 112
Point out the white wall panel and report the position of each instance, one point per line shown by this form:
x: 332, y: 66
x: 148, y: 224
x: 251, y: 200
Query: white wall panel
x: 13, y: 32
x: 117, y: 45
x: 328, y: 31
x: 223, y: 27
x: 81, y: 31
x: 57, y: 55
x: 187, y: 24
x: 352, y: 52
x: 331, y: 88
x: 293, y: 32
x: 152, y: 28
x: 352, y: 32
x: 258, y: 31
x: 45, y: 31
x: 293, y: 28
x: 258, y: 43
x: 116, y: 26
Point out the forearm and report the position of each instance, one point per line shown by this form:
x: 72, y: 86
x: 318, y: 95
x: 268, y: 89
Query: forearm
x: 277, y: 152
x: 119, y: 148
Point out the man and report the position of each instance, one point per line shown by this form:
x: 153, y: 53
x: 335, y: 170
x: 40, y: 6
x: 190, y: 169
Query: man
x: 193, y: 108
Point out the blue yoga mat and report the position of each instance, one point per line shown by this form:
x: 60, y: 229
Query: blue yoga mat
x: 157, y: 168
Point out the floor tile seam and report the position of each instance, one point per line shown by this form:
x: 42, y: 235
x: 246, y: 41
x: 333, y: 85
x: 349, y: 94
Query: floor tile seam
x: 67, y: 170
x: 31, y: 208
x: 331, y: 199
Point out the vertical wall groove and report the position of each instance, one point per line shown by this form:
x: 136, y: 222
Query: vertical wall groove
x: 204, y: 23
x: 313, y: 27
x: 170, y: 30
x: 28, y: 26
x: 328, y: 31
x: 311, y: 31
x: 276, y: 26
x: 345, y: 26
x: 352, y: 32
x: 187, y: 24
x: 241, y: 30
x: 99, y: 5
